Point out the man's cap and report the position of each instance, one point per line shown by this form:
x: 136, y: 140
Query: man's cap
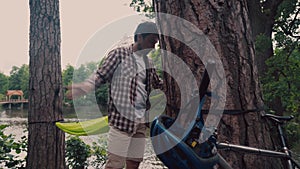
x: 146, y: 27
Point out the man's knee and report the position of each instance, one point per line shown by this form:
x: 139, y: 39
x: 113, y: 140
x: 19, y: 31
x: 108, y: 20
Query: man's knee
x: 114, y: 161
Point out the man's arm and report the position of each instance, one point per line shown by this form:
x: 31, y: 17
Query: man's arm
x: 79, y: 89
x: 102, y: 75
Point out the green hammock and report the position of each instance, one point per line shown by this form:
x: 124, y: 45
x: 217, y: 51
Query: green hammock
x: 84, y: 128
x: 99, y: 125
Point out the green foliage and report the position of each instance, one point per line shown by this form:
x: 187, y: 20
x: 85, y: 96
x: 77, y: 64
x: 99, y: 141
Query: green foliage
x: 99, y: 152
x: 10, y: 149
x: 3, y: 83
x: 155, y: 55
x: 2, y: 96
x: 262, y: 43
x: 282, y: 79
x: 84, y: 71
x: 293, y: 133
x: 286, y: 82
x: 102, y: 97
x: 287, y: 9
x: 77, y: 153
x: 19, y: 79
x: 67, y: 75
x: 284, y: 67
x: 287, y: 24
x: 143, y: 6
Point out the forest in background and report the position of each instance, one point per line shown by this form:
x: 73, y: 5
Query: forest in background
x: 286, y: 86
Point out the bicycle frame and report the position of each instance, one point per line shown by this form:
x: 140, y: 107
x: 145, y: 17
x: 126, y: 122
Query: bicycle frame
x: 256, y: 151
x: 263, y: 152
x: 251, y: 150
x: 278, y: 120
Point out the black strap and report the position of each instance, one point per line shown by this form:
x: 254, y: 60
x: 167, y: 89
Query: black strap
x: 45, y: 122
x: 227, y: 112
x: 232, y: 112
x: 203, y: 88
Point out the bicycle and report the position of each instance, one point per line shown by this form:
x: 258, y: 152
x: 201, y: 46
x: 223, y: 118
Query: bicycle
x: 286, y: 153
x: 189, y: 153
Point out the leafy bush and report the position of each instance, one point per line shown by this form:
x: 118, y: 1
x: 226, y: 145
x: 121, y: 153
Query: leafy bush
x: 9, y: 150
x: 285, y: 85
x: 99, y: 152
x: 77, y: 153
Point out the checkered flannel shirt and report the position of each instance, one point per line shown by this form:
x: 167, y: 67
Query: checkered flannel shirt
x: 119, y: 69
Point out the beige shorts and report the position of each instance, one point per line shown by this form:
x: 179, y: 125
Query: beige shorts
x: 122, y: 146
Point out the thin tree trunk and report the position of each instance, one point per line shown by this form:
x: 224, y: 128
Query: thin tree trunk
x: 46, y: 143
x: 227, y: 25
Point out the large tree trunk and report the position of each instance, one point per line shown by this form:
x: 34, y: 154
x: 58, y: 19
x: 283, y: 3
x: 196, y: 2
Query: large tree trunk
x: 227, y: 25
x: 46, y: 143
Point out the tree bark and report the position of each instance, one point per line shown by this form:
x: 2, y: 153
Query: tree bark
x: 227, y: 25
x: 46, y: 143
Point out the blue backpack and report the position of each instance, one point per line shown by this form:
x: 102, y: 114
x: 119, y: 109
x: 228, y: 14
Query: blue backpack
x: 186, y: 153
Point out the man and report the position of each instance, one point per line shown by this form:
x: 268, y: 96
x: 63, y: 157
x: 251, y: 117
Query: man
x: 131, y: 75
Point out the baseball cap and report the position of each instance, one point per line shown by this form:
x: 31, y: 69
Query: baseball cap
x: 146, y: 27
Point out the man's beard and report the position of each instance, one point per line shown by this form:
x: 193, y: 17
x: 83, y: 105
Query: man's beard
x: 143, y: 51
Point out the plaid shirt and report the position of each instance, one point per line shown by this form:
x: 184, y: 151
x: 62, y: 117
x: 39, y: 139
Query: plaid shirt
x: 119, y: 69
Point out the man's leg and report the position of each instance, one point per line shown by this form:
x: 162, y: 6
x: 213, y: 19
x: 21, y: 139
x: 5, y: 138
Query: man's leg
x: 118, y: 143
x: 131, y: 164
x: 114, y: 161
x: 136, y: 148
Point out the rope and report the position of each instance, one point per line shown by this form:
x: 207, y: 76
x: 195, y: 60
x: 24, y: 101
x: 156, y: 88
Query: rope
x: 227, y: 112
x: 45, y: 122
x: 233, y: 112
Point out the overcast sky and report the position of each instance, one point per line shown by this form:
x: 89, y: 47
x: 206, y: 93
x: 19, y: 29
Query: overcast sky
x: 79, y: 21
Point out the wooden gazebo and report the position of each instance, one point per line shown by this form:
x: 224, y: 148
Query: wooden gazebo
x: 18, y: 93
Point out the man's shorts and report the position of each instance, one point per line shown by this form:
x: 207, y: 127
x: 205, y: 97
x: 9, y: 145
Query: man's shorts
x: 123, y: 146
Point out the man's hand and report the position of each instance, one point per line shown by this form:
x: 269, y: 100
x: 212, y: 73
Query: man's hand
x: 74, y: 91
